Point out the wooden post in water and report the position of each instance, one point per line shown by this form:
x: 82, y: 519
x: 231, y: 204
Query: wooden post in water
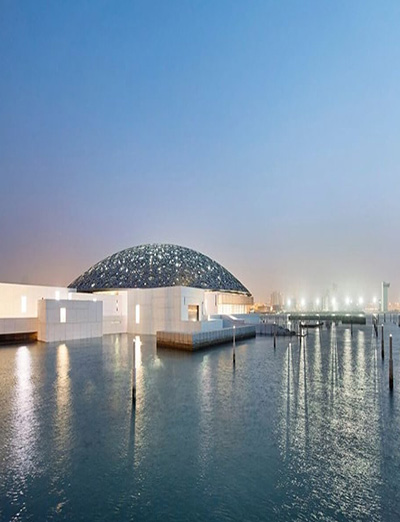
x: 351, y: 328
x: 376, y: 329
x: 274, y: 335
x: 134, y: 373
x: 383, y: 344
x: 390, y: 364
x: 398, y: 320
x: 234, y: 344
x: 384, y: 317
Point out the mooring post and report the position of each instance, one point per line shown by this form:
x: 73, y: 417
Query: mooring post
x: 351, y: 328
x: 234, y: 343
x: 134, y: 373
x: 384, y: 317
x: 390, y: 363
x: 274, y: 335
x: 383, y: 344
x: 398, y: 320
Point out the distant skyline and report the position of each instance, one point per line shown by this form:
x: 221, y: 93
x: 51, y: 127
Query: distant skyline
x: 263, y: 134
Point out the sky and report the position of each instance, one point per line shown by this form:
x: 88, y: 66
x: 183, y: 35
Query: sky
x: 263, y: 134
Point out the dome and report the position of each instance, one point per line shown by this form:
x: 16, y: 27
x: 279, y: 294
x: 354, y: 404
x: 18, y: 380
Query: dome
x: 155, y: 266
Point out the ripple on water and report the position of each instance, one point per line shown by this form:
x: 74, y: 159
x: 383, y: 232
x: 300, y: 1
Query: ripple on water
x: 303, y: 432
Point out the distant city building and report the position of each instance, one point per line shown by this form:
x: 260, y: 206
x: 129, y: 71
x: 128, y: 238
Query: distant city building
x: 326, y: 301
x: 260, y: 308
x: 277, y: 302
x: 385, y: 297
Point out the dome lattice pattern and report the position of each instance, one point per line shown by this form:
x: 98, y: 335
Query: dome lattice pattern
x: 157, y: 265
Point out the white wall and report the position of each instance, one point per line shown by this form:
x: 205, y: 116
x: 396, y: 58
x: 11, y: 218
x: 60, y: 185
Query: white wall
x: 82, y: 319
x: 166, y: 309
x: 192, y: 296
x: 18, y: 325
x: 11, y: 296
x: 225, y: 303
x: 115, y: 306
x: 160, y: 309
x: 19, y: 306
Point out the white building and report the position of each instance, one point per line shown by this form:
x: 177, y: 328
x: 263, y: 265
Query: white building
x: 140, y: 290
x: 385, y: 297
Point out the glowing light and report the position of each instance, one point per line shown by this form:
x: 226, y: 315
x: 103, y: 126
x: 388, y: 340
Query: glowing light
x: 63, y: 315
x: 57, y: 294
x: 303, y: 302
x: 23, y: 304
x: 360, y: 301
x: 289, y: 303
x: 318, y: 301
x: 138, y: 351
x: 348, y: 301
x: 374, y: 300
x: 137, y: 314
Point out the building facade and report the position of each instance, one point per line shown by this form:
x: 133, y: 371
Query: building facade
x: 140, y: 290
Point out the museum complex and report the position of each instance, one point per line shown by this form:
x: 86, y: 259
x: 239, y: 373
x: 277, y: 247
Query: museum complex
x: 141, y: 290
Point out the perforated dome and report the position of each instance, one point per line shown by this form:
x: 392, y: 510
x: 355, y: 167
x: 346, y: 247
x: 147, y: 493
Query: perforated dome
x: 155, y: 266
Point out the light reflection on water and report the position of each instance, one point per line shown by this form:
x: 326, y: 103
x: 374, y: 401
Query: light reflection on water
x: 307, y: 431
x: 24, y: 422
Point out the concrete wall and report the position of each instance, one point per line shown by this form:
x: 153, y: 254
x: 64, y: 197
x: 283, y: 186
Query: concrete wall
x: 65, y: 319
x: 166, y: 309
x: 21, y: 300
x: 19, y: 306
x: 18, y: 325
x: 199, y: 326
x: 197, y: 340
x: 223, y: 303
x: 153, y: 309
x: 138, y: 311
x: 115, y: 309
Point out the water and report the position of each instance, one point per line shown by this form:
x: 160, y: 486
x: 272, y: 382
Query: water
x: 306, y: 432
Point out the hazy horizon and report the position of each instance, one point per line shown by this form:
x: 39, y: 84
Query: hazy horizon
x: 263, y: 134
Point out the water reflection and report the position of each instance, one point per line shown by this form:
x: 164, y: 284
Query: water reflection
x: 287, y: 388
x: 345, y: 438
x: 63, y: 423
x: 24, y: 421
x: 303, y: 432
x: 205, y: 411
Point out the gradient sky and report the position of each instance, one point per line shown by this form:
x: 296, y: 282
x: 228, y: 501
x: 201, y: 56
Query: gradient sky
x: 264, y: 134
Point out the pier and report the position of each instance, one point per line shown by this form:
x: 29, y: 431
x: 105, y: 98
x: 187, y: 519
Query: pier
x: 191, y: 342
x: 335, y: 317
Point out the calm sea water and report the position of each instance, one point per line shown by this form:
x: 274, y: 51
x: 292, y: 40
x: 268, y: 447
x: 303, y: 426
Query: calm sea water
x: 303, y: 432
